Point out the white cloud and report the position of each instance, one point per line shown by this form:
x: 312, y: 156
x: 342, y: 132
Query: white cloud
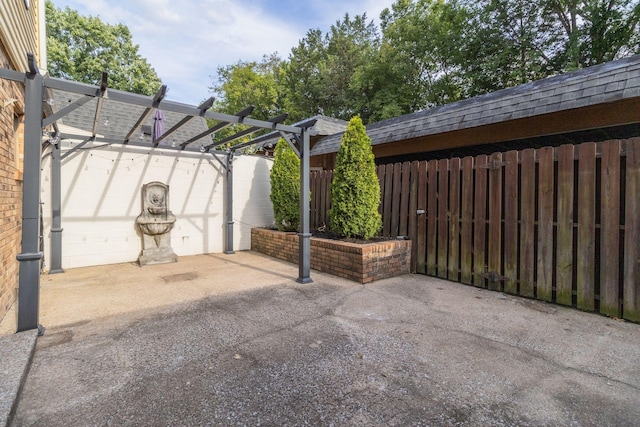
x: 187, y: 40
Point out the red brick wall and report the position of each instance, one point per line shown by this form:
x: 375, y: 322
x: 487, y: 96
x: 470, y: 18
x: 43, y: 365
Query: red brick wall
x: 10, y: 188
x: 362, y: 263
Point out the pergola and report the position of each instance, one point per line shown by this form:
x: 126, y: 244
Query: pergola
x: 39, y: 117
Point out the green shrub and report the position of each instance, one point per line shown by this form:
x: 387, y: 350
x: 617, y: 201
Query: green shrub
x: 355, y: 190
x: 285, y: 187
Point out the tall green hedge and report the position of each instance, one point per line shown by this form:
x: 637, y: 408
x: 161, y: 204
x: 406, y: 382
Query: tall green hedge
x: 355, y: 190
x: 285, y: 187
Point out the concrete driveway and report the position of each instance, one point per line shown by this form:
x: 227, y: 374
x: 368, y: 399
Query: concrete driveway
x: 234, y: 340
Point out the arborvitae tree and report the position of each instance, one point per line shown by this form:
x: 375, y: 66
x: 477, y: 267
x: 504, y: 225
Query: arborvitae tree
x: 355, y: 190
x: 285, y: 187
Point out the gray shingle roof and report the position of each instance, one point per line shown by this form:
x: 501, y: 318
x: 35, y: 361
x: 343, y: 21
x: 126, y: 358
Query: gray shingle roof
x: 324, y: 126
x: 117, y: 119
x: 599, y: 84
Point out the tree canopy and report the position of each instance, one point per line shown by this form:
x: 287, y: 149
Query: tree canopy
x: 80, y: 48
x: 431, y: 52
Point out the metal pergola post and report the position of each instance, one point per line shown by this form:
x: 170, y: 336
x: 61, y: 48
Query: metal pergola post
x: 56, y: 204
x: 304, y: 249
x: 229, y: 226
x: 30, y: 257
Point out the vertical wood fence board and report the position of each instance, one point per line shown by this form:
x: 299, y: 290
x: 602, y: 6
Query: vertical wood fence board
x: 631, y: 280
x: 395, y: 199
x: 432, y: 215
x: 527, y: 221
x: 380, y: 171
x: 322, y: 202
x: 585, y: 276
x: 495, y: 221
x: 404, y: 200
x: 466, y: 213
x: 454, y: 219
x: 388, y: 199
x: 564, y: 246
x: 480, y: 221
x: 511, y: 222
x: 443, y: 216
x: 329, y: 180
x: 545, y: 224
x: 422, y: 219
x: 412, y: 226
x: 609, y: 229
x: 314, y: 211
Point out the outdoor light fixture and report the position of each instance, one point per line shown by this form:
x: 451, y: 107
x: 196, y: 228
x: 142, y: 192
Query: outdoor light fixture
x: 50, y: 101
x: 202, y: 149
x: 106, y: 121
x: 173, y: 143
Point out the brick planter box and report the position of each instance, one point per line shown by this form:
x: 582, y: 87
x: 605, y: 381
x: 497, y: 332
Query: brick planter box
x: 362, y: 263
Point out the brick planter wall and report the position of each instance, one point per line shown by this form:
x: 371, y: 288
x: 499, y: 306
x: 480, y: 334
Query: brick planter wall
x: 362, y: 263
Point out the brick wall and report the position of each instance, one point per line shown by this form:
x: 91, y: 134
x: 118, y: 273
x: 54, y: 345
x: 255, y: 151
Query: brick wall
x: 362, y: 263
x: 10, y: 186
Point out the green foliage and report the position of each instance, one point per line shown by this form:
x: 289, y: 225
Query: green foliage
x: 432, y: 52
x: 243, y: 84
x: 80, y: 48
x: 415, y: 67
x: 509, y: 42
x: 320, y: 75
x: 285, y: 187
x: 355, y: 190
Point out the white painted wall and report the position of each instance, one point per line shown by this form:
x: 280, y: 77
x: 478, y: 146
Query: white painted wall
x: 101, y: 200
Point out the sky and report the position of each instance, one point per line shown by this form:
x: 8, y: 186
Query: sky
x: 187, y: 40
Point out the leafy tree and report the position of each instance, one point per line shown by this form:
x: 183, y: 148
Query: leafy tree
x: 509, y: 42
x: 249, y: 83
x: 285, y: 187
x: 355, y: 190
x: 80, y: 48
x: 595, y: 31
x: 415, y: 66
x: 319, y: 75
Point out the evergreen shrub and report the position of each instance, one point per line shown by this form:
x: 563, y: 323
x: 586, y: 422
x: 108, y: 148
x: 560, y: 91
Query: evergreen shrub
x: 285, y: 187
x: 355, y: 190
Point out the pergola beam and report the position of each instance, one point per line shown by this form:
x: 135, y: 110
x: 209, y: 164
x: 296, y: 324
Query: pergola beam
x: 202, y: 107
x: 176, y: 107
x: 275, y: 120
x: 100, y: 94
x: 155, y: 102
x: 66, y: 110
x: 242, y: 115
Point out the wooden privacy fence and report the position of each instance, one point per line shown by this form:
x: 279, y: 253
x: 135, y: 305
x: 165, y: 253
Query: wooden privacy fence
x: 557, y: 224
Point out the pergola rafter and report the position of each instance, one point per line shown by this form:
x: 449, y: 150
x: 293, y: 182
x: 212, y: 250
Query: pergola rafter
x: 242, y: 114
x: 155, y: 103
x: 203, y: 109
x: 38, y: 87
x: 241, y: 134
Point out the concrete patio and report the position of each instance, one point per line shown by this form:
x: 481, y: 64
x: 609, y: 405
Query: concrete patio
x: 234, y: 340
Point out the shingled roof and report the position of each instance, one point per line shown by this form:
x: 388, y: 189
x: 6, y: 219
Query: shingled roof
x: 117, y: 119
x: 323, y: 126
x: 600, y: 84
